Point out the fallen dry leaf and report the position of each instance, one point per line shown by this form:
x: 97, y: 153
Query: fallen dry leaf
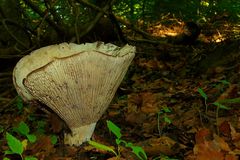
x: 221, y: 143
x: 135, y: 118
x: 149, y: 103
x: 231, y: 157
x: 202, y: 135
x: 224, y: 128
x: 56, y: 123
x: 164, y: 145
x: 235, y: 136
x: 206, y: 151
x: 43, y: 147
x: 229, y: 93
x: 209, y: 147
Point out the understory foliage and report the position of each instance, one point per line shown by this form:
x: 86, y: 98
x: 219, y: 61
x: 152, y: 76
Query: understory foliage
x: 179, y: 100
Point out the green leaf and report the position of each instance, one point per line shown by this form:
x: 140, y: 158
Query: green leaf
x: 41, y: 127
x: 221, y: 106
x: 119, y: 141
x: 225, y: 82
x: 166, y: 109
x: 14, y: 144
x: 167, y: 119
x: 5, y: 158
x: 114, y: 129
x: 232, y: 100
x: 30, y: 158
x: 32, y: 138
x: 202, y: 93
x: 139, y: 152
x: 102, y: 147
x: 54, y: 139
x: 8, y: 152
x: 23, y: 128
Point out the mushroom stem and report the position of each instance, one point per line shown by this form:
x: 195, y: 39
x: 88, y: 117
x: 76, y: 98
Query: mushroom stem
x: 79, y: 135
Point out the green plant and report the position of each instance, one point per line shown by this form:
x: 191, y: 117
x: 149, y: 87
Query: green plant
x: 54, y: 139
x: 138, y: 151
x: 24, y: 130
x: 16, y: 147
x: 218, y: 104
x: 163, y: 117
x: 220, y: 85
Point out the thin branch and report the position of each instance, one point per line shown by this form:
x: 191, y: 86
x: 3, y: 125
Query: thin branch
x: 50, y: 6
x: 98, y: 16
x: 5, y: 25
x: 36, y: 9
x: 128, y: 24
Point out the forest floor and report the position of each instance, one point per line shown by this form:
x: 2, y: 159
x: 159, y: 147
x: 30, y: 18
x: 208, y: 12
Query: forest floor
x: 173, y: 103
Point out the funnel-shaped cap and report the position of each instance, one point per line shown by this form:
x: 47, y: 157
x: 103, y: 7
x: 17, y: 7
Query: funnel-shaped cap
x: 77, y: 82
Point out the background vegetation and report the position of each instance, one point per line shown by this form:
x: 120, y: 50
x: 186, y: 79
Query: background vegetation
x: 179, y: 99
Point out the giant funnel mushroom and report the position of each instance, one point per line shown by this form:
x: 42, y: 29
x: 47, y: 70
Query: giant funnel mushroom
x: 77, y: 82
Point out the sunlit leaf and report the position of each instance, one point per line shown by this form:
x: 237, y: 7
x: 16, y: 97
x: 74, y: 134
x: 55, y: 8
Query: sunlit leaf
x: 139, y: 152
x: 14, y: 144
x: 23, y: 128
x: 114, y: 129
x: 102, y: 147
x: 8, y: 152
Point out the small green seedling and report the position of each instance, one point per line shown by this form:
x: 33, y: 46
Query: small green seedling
x: 24, y: 130
x: 102, y: 147
x: 54, y: 139
x: 221, y: 84
x: 16, y: 147
x: 163, y: 112
x: 138, y: 151
x: 218, y: 104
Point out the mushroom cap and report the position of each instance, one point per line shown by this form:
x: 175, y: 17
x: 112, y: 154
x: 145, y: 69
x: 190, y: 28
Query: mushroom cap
x: 77, y: 82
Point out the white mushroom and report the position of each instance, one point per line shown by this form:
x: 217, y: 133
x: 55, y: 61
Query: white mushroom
x: 77, y: 82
